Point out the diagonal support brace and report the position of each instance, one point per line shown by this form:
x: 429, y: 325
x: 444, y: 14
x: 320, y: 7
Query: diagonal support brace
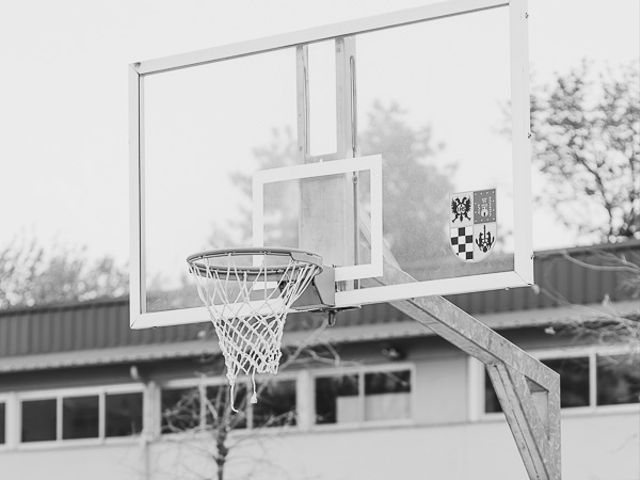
x: 535, y: 425
x: 519, y: 378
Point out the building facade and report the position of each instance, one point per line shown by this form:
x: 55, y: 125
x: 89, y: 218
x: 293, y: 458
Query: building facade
x: 377, y: 395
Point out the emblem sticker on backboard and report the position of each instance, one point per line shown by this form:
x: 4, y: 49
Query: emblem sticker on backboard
x: 472, y: 224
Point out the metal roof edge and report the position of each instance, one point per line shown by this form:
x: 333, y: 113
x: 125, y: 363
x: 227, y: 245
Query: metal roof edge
x: 624, y: 245
x: 84, y: 304
x: 349, y: 334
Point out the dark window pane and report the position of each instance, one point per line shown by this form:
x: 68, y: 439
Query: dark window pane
x: 491, y: 403
x: 80, y: 417
x: 123, y: 414
x: 276, y: 404
x: 38, y: 420
x: 387, y: 382
x: 2, y: 423
x: 574, y: 384
x: 618, y: 379
x: 217, y: 408
x: 387, y: 395
x: 337, y: 399
x: 180, y: 409
x: 574, y: 380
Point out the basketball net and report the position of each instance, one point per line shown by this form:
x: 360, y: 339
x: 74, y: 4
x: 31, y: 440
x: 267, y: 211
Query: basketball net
x: 248, y: 309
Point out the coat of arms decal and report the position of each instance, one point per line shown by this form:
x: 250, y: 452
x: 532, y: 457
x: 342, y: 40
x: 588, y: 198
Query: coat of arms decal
x: 472, y: 224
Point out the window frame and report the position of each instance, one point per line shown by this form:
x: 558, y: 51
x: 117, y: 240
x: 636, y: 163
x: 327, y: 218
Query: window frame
x: 58, y: 395
x: 8, y: 405
x: 206, y: 381
x: 361, y: 371
x: 477, y: 378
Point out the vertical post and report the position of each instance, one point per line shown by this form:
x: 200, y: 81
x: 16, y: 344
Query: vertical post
x: 302, y: 101
x: 137, y: 281
x: 102, y: 406
x: 346, y: 124
x: 327, y: 216
x: 521, y: 137
x: 151, y: 411
x: 347, y: 133
x: 150, y: 423
x: 13, y: 415
x: 305, y: 391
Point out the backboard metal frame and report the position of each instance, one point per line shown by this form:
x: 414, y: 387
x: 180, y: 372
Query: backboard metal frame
x: 522, y: 274
x: 371, y: 163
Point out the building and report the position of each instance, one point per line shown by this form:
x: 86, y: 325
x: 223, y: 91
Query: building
x: 81, y: 395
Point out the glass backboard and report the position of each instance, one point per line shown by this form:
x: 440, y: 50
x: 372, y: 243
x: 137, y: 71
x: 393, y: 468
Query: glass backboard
x: 396, y: 147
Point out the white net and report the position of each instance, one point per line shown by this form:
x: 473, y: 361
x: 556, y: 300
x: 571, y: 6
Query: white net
x: 248, y: 305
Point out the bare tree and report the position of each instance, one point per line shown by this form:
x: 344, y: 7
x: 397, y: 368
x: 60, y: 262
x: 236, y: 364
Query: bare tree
x: 31, y: 274
x: 210, y: 411
x: 586, y: 145
x: 586, y: 131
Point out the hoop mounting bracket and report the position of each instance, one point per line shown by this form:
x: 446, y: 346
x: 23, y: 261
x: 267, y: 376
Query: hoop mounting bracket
x: 320, y: 294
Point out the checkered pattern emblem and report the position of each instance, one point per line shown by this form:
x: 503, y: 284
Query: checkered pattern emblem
x: 472, y: 224
x: 462, y: 242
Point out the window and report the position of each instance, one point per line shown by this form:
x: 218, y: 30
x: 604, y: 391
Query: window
x: 337, y: 399
x: 77, y: 417
x: 80, y: 417
x: 123, y: 414
x: 574, y: 384
x: 363, y: 396
x: 180, y: 409
x: 277, y: 404
x: 618, y: 378
x: 2, y: 423
x: 491, y: 402
x: 387, y: 395
x: 216, y: 405
x: 574, y: 380
x: 185, y: 408
x: 39, y: 420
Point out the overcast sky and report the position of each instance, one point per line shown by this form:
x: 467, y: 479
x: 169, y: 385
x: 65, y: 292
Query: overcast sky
x: 63, y: 96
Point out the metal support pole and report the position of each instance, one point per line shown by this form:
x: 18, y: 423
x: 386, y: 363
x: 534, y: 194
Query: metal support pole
x: 518, y: 378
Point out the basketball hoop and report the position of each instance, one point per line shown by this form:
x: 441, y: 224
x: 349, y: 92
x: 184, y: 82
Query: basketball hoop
x: 248, y: 293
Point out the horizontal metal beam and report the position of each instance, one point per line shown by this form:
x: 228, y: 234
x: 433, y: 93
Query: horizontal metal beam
x: 378, y: 22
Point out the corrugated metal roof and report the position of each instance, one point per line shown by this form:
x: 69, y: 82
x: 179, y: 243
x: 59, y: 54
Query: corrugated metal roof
x: 104, y: 325
x: 346, y: 334
x: 561, y: 281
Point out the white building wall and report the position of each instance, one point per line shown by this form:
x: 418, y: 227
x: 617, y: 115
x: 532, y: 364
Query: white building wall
x: 441, y: 390
x: 596, y: 446
x: 73, y: 462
